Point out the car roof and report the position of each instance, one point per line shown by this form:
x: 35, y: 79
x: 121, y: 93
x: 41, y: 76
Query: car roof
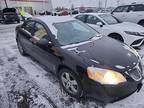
x: 50, y: 20
x: 95, y: 14
x: 132, y: 5
x: 54, y: 19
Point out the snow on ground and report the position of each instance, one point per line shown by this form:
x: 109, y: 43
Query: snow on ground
x: 25, y: 84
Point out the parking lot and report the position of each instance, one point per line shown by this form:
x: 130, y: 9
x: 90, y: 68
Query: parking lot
x: 24, y: 84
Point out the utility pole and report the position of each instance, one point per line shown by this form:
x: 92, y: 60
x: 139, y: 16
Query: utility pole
x: 6, y: 3
x: 105, y: 4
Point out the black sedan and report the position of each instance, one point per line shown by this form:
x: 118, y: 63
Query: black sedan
x: 86, y: 64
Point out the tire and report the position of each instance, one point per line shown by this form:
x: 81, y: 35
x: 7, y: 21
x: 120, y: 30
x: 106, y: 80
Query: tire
x: 18, y: 21
x: 20, y: 48
x: 141, y: 23
x: 71, y: 84
x: 117, y: 37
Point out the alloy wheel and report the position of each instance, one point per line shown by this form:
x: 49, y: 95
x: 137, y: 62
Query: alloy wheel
x: 69, y: 83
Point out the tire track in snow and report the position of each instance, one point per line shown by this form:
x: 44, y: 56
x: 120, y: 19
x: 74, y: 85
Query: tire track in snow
x: 6, y: 54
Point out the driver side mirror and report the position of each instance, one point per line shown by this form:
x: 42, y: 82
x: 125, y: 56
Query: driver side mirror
x: 100, y: 24
x: 44, y: 43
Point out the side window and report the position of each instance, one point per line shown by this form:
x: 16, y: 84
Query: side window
x: 40, y: 32
x: 29, y: 26
x: 139, y: 8
x: 81, y: 18
x: 122, y: 9
x: 132, y: 8
x: 119, y: 9
x: 125, y: 9
x: 93, y: 20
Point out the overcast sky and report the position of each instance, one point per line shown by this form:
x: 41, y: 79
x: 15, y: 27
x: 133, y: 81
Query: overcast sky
x: 67, y: 3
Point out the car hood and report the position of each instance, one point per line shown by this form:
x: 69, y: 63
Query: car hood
x: 107, y: 52
x: 127, y: 26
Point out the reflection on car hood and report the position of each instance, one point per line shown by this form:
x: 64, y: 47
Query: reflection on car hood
x: 127, y: 26
x: 107, y: 52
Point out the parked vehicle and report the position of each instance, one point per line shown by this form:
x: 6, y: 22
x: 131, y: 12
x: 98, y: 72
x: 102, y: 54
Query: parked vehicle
x: 10, y: 15
x: 28, y: 16
x: 85, y: 63
x: 74, y: 12
x: 130, y: 13
x: 129, y: 33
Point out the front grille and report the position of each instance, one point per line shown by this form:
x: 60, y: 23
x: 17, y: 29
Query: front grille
x: 136, y: 72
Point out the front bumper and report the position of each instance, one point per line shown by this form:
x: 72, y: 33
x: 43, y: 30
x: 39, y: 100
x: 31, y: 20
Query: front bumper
x: 110, y: 93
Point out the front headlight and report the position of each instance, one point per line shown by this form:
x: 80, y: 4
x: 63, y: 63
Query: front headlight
x: 104, y: 76
x: 134, y: 33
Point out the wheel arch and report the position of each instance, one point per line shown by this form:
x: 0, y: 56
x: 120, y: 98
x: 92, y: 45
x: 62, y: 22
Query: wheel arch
x: 142, y: 20
x: 113, y: 35
x: 75, y: 70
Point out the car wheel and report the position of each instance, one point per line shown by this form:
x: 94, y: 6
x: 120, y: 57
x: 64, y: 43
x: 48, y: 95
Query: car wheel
x: 141, y: 23
x: 20, y: 48
x: 117, y: 37
x: 70, y: 83
x: 18, y: 21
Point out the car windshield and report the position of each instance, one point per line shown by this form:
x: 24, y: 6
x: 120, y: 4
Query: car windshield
x: 73, y: 32
x: 109, y: 19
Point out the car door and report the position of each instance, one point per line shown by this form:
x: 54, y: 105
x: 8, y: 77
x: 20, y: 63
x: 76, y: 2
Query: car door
x: 121, y: 13
x: 25, y: 33
x: 135, y: 13
x: 47, y: 56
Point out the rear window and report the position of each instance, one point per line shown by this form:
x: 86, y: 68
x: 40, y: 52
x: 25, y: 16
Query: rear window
x: 139, y: 8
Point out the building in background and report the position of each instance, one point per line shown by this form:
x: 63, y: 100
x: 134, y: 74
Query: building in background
x: 30, y: 6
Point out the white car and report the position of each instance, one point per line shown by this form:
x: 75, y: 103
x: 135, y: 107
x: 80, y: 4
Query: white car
x: 129, y: 33
x: 130, y: 13
x: 28, y: 16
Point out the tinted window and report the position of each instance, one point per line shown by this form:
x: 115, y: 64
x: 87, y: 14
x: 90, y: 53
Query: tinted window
x: 125, y: 9
x: 40, y: 31
x: 92, y: 19
x: 121, y: 9
x: 29, y: 26
x: 72, y: 32
x: 81, y: 18
x: 132, y: 8
x: 109, y: 19
x: 139, y: 8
